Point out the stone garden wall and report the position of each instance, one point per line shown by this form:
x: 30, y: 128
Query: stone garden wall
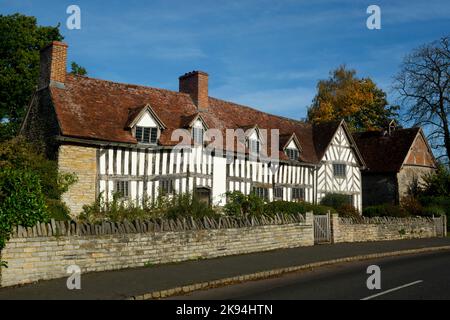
x: 45, y: 251
x: 384, y: 228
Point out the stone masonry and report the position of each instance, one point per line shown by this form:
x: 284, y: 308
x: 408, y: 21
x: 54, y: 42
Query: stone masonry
x: 39, y: 258
x: 379, y: 229
x: 409, y: 176
x: 83, y: 162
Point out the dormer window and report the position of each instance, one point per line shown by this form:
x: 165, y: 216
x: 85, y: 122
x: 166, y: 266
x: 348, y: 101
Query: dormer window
x: 197, y: 135
x: 253, y: 146
x: 145, y: 125
x: 253, y: 140
x: 197, y: 127
x: 292, y: 147
x: 292, y: 153
x: 147, y: 134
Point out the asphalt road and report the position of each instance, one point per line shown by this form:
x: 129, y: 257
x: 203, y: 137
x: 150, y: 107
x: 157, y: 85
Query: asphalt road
x: 424, y: 276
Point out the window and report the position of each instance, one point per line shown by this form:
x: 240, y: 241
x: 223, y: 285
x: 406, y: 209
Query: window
x: 298, y: 194
x: 167, y: 186
x: 197, y: 135
x: 278, y: 192
x: 253, y: 146
x: 147, y: 134
x: 339, y: 170
x: 122, y: 188
x: 261, y: 192
x: 292, y: 153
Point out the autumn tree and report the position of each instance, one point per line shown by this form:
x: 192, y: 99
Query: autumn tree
x: 356, y: 100
x: 423, y: 84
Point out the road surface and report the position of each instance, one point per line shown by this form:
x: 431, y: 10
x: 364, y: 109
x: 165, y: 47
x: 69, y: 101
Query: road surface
x: 424, y: 276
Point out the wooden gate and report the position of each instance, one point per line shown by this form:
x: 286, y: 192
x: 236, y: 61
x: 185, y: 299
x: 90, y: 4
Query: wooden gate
x: 322, y: 229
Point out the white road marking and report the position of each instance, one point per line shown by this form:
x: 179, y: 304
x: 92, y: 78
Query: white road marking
x: 393, y: 289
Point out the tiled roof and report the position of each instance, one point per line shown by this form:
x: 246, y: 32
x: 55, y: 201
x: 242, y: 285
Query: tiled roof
x: 97, y: 109
x: 385, y: 153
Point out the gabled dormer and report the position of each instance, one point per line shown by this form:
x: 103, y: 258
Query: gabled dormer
x: 292, y: 147
x: 253, y: 140
x: 145, y: 125
x: 197, y: 127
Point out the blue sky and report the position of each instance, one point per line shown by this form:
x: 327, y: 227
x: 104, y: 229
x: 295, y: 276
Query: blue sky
x: 266, y: 54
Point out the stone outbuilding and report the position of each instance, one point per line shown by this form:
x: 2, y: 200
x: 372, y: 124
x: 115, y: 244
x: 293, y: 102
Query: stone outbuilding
x: 396, y: 160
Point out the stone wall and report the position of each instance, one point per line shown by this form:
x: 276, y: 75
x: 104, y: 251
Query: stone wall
x: 83, y: 162
x: 409, y: 176
x: 379, y: 229
x: 46, y: 257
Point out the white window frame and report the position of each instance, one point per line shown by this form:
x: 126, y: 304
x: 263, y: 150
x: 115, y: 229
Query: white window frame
x: 261, y: 192
x: 301, y: 196
x: 122, y: 187
x: 196, y: 135
x: 275, y: 195
x: 141, y: 139
x: 291, y: 156
x: 251, y: 144
x: 168, y: 189
x: 339, y: 170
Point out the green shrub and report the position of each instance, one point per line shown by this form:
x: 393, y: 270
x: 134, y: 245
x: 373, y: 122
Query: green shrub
x: 164, y: 206
x: 437, y: 183
x: 348, y: 211
x: 57, y: 210
x: 21, y: 201
x: 319, y: 209
x: 436, y: 211
x: 188, y: 205
x: 374, y: 211
x: 239, y: 204
x: 334, y: 200
x: 288, y: 207
x: 384, y: 210
x: 284, y: 207
x: 115, y: 210
x: 440, y: 201
x: 412, y: 206
x: 18, y: 154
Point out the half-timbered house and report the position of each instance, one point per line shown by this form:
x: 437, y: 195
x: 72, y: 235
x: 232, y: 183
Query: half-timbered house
x: 140, y: 141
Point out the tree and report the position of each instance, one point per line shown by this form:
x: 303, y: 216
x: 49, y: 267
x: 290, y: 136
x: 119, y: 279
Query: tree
x: 76, y: 69
x: 20, y: 41
x: 358, y: 101
x: 423, y: 84
x: 436, y: 184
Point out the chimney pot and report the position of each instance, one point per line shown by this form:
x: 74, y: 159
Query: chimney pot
x: 53, y: 64
x: 195, y: 84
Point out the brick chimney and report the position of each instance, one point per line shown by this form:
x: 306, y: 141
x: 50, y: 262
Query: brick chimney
x: 53, y: 64
x: 195, y: 83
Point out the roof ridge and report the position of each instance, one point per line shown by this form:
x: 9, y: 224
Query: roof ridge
x: 260, y: 111
x: 185, y: 94
x: 128, y: 84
